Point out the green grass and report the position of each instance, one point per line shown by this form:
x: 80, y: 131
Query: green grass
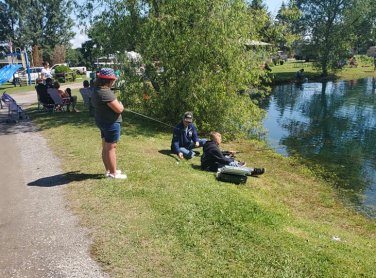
x: 9, y: 87
x: 170, y: 219
x: 286, y: 72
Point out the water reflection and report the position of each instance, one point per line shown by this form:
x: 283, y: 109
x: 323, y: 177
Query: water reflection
x: 332, y: 124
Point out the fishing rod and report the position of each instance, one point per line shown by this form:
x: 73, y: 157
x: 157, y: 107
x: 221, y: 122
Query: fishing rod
x: 170, y: 126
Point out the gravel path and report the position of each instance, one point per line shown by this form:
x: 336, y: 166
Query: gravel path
x: 39, y: 236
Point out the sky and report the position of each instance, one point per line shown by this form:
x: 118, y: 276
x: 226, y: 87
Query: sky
x: 273, y: 6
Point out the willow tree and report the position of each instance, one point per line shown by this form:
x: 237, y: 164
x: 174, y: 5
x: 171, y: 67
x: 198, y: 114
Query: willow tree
x: 203, y: 65
x: 195, y: 57
x: 327, y: 30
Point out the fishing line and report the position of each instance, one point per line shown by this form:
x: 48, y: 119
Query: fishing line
x: 147, y: 117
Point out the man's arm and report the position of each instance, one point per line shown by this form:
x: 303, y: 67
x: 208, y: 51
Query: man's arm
x: 195, y: 136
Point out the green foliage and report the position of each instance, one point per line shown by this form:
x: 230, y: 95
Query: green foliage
x: 62, y: 69
x: 74, y: 57
x: 286, y: 21
x: 328, y: 30
x: 37, y: 22
x: 200, y: 45
x: 361, y: 23
x: 117, y: 29
x: 64, y: 73
x: 89, y: 53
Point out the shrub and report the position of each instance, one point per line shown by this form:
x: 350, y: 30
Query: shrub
x: 62, y: 73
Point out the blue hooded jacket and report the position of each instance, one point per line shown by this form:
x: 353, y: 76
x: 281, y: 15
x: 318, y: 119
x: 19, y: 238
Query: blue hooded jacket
x: 181, y: 138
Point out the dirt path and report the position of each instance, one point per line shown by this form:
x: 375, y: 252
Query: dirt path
x: 39, y: 237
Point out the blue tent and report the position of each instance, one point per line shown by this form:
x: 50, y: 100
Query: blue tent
x: 6, y: 73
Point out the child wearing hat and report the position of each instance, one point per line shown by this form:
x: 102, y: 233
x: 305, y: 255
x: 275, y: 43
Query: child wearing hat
x: 108, y: 119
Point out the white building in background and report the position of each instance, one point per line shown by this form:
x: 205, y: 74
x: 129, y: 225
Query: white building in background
x: 111, y: 59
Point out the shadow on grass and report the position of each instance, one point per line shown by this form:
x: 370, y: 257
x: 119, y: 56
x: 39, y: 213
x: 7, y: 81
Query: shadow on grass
x: 169, y: 153
x: 198, y: 167
x: 65, y: 178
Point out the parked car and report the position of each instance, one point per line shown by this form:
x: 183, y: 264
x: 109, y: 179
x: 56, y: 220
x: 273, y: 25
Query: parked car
x: 34, y: 73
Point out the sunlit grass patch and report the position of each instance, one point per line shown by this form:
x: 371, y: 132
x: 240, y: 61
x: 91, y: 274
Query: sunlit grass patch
x: 170, y: 219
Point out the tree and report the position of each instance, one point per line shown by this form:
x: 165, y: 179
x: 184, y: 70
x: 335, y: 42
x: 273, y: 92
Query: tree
x: 200, y: 45
x: 37, y: 56
x: 263, y: 27
x: 114, y: 29
x: 74, y: 57
x: 195, y: 57
x: 327, y: 30
x: 88, y: 53
x: 362, y: 24
x: 286, y: 22
x: 43, y: 23
x: 58, y: 55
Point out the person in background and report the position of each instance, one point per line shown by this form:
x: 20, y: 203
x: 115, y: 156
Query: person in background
x: 16, y: 79
x: 73, y: 99
x: 86, y: 92
x: 43, y: 96
x: 213, y: 158
x: 300, y: 75
x: 67, y: 96
x: 185, y: 138
x: 353, y: 62
x: 46, y: 71
x: 48, y: 82
x: 108, y: 119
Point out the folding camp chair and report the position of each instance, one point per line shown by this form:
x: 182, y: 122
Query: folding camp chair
x: 45, y: 102
x: 15, y: 111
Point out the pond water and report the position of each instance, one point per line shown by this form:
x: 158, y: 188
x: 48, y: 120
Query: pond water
x: 332, y: 124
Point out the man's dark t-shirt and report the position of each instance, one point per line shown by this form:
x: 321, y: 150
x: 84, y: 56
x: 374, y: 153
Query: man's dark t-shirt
x: 103, y: 113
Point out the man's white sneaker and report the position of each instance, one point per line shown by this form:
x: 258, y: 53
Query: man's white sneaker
x: 108, y: 172
x: 117, y: 176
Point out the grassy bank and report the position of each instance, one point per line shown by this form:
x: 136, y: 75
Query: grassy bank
x: 170, y: 219
x: 286, y: 73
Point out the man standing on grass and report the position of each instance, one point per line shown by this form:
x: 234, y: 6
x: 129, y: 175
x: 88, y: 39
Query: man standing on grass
x: 185, y: 138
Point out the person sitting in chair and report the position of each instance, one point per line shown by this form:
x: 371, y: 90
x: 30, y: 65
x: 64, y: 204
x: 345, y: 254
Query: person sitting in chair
x: 67, y: 96
x: 43, y: 97
x: 185, y: 138
x: 213, y: 158
x: 86, y: 92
